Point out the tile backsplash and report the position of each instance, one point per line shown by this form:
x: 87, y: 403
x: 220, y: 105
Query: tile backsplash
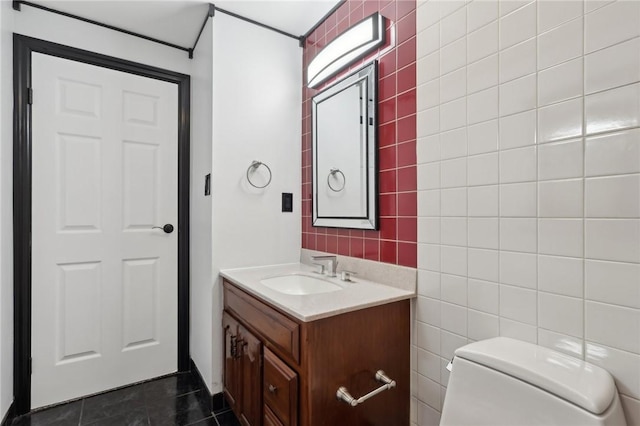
x: 528, y: 181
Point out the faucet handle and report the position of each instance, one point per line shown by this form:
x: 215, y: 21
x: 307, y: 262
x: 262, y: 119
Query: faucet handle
x: 321, y: 271
x: 346, y: 275
x: 333, y: 267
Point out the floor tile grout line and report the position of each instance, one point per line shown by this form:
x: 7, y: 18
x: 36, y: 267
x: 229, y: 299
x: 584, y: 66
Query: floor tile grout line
x: 81, y: 411
x: 212, y: 416
x: 146, y: 409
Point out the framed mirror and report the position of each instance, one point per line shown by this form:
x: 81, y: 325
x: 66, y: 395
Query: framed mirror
x: 345, y: 152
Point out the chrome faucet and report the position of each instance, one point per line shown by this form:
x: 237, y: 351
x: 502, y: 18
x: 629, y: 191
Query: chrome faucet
x: 332, y: 261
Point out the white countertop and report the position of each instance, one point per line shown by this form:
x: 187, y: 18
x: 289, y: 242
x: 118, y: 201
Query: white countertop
x: 354, y: 295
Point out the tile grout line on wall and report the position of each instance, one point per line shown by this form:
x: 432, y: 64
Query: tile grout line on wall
x: 584, y: 174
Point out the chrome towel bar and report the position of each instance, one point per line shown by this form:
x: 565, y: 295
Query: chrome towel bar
x: 343, y: 394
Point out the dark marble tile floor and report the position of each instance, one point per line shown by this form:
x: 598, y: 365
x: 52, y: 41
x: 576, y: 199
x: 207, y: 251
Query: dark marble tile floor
x: 177, y: 400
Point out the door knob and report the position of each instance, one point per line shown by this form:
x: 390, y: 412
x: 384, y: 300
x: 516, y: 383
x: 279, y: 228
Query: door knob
x: 168, y: 228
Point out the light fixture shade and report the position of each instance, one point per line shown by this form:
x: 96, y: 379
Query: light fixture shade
x: 353, y: 44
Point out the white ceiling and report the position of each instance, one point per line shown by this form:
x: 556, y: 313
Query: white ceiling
x: 179, y: 22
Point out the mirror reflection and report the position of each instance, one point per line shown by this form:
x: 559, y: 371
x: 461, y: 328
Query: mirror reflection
x: 345, y: 152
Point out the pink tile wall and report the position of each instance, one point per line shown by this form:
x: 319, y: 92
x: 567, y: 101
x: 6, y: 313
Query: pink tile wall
x: 395, y: 242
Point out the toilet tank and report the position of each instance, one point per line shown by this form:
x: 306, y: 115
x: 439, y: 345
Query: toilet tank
x: 503, y: 381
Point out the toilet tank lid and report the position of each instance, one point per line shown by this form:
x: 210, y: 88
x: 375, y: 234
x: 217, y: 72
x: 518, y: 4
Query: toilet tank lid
x: 574, y: 380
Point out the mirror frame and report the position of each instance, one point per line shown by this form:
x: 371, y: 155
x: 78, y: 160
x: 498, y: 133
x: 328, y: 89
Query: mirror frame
x: 369, y: 125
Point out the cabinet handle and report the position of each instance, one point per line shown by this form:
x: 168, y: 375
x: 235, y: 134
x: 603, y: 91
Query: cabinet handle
x: 240, y: 344
x: 233, y: 346
x: 272, y: 389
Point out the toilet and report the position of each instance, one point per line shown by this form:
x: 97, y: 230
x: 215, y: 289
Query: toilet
x: 503, y: 381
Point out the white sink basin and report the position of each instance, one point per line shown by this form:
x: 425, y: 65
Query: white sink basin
x: 299, y: 284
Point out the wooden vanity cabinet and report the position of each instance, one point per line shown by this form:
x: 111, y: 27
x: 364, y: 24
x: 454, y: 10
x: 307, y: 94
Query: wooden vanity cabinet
x: 304, y: 363
x: 243, y: 372
x: 232, y: 380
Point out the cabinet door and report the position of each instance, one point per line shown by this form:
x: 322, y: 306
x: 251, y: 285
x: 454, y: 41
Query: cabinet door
x: 251, y: 355
x: 232, y: 363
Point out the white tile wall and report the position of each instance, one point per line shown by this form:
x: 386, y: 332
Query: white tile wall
x: 613, y: 153
x: 482, y: 106
x: 482, y: 169
x: 613, y: 239
x: 518, y: 130
x: 481, y: 13
x: 483, y: 200
x: 518, y: 269
x: 529, y: 184
x: 518, y: 95
x: 518, y: 165
x: 600, y: 31
x: 561, y: 342
x: 453, y: 231
x: 564, y: 275
x: 484, y: 264
x: 483, y: 232
x: 560, y: 121
x: 518, y: 199
x: 600, y: 275
x: 518, y: 26
x: 612, y: 196
x: 560, y: 198
x: 454, y: 289
x: 612, y: 109
x: 482, y: 42
x: 612, y: 67
x: 560, y: 237
x: 482, y: 326
x: 560, y: 44
x: 561, y: 314
x: 518, y: 234
x: 482, y: 74
x: 453, y: 202
x: 561, y: 160
x: 484, y: 296
x: 558, y: 83
x: 453, y: 85
x: 554, y: 13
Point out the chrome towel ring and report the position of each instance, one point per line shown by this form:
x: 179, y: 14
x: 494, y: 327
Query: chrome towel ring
x: 252, y: 168
x: 333, y: 172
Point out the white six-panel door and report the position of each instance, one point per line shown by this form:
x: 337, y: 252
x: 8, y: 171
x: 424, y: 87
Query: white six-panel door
x: 104, y: 282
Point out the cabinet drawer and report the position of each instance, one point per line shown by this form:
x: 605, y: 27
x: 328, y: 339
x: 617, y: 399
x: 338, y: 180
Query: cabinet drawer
x: 278, y: 330
x: 280, y: 389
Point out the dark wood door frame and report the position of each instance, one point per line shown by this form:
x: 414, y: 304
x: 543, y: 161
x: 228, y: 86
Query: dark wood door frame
x: 23, y: 47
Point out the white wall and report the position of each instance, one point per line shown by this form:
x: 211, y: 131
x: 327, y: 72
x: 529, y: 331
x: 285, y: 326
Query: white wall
x: 256, y: 116
x: 38, y: 24
x: 6, y: 217
x: 529, y: 184
x: 201, y: 243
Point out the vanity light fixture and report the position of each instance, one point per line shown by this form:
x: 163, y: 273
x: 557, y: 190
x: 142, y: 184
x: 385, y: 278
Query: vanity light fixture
x: 353, y: 44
